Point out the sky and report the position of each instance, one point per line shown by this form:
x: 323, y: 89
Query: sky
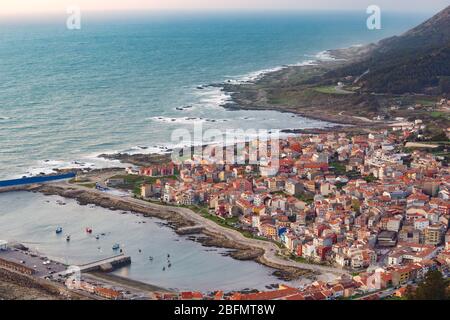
x: 35, y: 7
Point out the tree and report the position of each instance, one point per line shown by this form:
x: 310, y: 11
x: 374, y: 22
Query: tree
x: 356, y: 205
x: 444, y: 84
x: 432, y: 288
x: 409, y: 294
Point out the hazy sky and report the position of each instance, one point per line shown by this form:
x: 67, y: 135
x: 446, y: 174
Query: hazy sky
x: 12, y: 7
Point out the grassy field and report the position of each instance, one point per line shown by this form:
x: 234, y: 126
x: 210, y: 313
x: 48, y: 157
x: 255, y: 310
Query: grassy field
x: 134, y: 182
x: 440, y: 115
x: 426, y: 102
x: 332, y: 90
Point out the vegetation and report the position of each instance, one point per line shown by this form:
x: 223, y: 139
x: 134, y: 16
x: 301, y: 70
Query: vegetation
x: 331, y: 90
x: 306, y: 197
x: 370, y: 178
x: 434, y: 287
x: 88, y: 185
x: 439, y: 114
x: 230, y: 223
x: 338, y: 168
x: 356, y: 205
x: 134, y: 182
x: 412, y: 62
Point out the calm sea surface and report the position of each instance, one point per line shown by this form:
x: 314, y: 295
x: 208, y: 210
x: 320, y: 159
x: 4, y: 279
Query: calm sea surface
x: 32, y: 219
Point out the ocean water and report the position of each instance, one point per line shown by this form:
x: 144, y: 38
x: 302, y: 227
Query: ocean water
x: 116, y: 84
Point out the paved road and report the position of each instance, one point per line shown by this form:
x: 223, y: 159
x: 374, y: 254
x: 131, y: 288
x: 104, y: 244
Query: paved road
x: 270, y: 249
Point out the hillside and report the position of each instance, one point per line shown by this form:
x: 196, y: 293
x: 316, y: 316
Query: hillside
x: 417, y: 61
x: 399, y: 77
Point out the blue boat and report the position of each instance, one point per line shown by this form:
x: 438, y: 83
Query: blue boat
x: 116, y: 246
x: 59, y: 230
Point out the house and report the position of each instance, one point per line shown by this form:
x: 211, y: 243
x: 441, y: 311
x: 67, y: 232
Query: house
x: 434, y: 235
x: 191, y: 295
x: 387, y: 238
x: 293, y: 187
x: 421, y: 224
x: 158, y: 170
x: 107, y: 293
x: 327, y: 188
x: 112, y: 182
x: 269, y: 230
x: 146, y: 190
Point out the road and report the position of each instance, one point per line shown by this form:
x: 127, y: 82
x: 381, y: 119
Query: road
x: 271, y: 251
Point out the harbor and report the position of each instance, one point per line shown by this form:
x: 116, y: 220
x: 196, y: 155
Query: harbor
x: 192, y: 266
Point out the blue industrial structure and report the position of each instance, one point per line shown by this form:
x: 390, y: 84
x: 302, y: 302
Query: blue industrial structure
x: 38, y: 179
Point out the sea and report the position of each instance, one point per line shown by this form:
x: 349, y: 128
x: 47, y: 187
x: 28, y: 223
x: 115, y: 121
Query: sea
x: 124, y: 83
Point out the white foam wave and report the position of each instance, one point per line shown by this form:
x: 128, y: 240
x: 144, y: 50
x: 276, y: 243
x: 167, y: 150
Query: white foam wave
x: 325, y: 56
x: 185, y: 120
x: 211, y: 97
x: 256, y: 75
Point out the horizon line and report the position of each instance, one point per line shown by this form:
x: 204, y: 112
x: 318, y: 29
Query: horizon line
x: 204, y: 10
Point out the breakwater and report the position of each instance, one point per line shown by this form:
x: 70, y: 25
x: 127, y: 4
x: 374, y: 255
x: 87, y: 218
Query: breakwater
x: 37, y: 179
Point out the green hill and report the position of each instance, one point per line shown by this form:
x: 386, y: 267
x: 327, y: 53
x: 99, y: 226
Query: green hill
x: 417, y: 61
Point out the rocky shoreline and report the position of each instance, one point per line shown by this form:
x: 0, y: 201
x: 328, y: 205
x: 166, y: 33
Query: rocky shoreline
x: 278, y: 91
x: 141, y: 160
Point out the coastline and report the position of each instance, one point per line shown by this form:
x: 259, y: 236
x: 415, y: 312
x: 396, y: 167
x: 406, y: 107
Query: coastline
x: 255, y: 94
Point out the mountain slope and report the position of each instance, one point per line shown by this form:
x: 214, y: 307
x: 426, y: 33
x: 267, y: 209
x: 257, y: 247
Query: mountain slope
x: 417, y: 61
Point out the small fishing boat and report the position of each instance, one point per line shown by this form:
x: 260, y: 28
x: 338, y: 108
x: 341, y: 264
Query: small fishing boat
x: 150, y: 258
x: 97, y: 237
x: 59, y: 230
x: 116, y: 246
x: 68, y: 238
x: 164, y: 268
x: 169, y: 265
x: 88, y: 230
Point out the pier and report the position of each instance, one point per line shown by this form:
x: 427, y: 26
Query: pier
x: 36, y: 180
x: 104, y: 265
x: 108, y: 264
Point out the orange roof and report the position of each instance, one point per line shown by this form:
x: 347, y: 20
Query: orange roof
x: 269, y: 295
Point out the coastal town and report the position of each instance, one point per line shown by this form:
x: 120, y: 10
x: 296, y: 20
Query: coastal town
x: 376, y: 205
x: 361, y: 203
